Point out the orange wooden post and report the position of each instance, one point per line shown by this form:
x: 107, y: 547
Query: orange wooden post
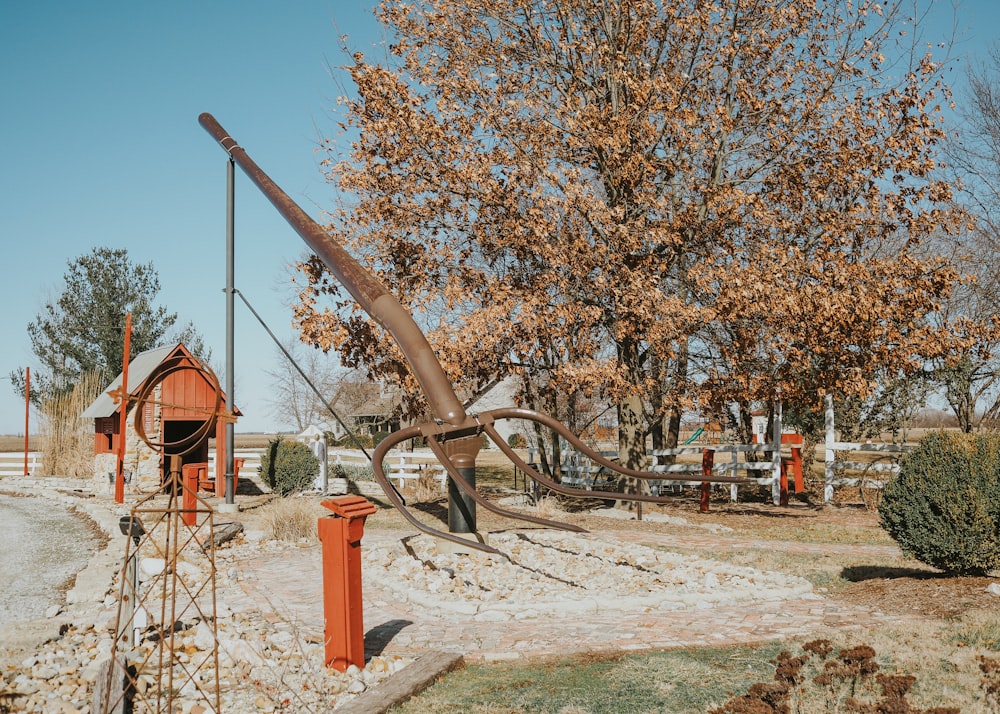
x: 27, y: 410
x: 795, y: 464
x: 343, y: 609
x: 221, y: 449
x: 800, y: 485
x: 123, y: 415
x: 707, y: 462
x: 783, y: 485
x: 189, y: 486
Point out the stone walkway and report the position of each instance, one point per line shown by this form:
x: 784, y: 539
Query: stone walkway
x: 288, y: 587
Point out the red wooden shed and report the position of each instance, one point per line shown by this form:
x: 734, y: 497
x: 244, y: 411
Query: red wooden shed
x: 179, y: 406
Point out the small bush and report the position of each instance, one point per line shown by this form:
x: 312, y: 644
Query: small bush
x: 353, y: 472
x: 516, y: 441
x: 944, y: 506
x: 292, y: 519
x: 353, y: 441
x: 288, y: 466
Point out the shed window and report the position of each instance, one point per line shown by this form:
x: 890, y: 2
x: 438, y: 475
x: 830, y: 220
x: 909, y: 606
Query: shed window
x: 105, y: 437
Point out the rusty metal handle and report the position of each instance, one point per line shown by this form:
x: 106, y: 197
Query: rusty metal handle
x: 371, y: 295
x: 564, y: 432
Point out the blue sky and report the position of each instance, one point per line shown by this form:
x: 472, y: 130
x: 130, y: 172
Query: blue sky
x: 101, y: 147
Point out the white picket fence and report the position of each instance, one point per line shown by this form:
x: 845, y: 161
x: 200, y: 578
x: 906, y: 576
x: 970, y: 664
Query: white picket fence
x: 12, y: 463
x: 888, y: 463
x: 251, y: 461
x: 763, y: 473
x: 578, y: 471
x: 399, y: 466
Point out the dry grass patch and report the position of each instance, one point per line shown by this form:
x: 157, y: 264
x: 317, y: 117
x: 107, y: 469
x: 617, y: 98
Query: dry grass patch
x: 291, y: 519
x: 426, y: 488
x: 549, y: 507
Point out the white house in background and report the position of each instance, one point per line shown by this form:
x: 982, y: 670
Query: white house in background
x: 370, y: 408
x: 366, y: 408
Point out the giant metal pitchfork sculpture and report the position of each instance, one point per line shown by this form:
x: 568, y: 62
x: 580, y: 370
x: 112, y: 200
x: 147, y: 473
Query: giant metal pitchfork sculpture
x: 454, y: 436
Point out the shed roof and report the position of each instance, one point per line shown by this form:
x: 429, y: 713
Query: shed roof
x: 141, y: 366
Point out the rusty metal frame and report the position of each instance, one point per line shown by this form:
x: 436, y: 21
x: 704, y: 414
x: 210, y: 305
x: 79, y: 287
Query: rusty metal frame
x: 453, y: 424
x: 185, y: 526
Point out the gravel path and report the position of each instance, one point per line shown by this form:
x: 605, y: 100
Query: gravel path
x: 42, y: 546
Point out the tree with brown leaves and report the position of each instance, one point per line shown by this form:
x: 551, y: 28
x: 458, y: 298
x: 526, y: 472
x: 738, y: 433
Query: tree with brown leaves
x: 643, y: 202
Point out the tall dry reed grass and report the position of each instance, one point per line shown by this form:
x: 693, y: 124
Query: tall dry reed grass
x: 65, y: 440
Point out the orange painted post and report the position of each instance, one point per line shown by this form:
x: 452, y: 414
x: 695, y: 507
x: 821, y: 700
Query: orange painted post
x: 123, y: 415
x: 343, y: 609
x: 794, y: 462
x: 189, y: 486
x: 707, y: 462
x: 27, y: 410
x: 783, y: 486
x: 800, y: 485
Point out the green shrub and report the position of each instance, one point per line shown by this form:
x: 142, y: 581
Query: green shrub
x: 288, y: 466
x: 353, y: 472
x: 944, y: 506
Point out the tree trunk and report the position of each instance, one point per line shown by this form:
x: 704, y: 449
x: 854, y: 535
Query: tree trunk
x: 631, y: 431
x: 656, y: 429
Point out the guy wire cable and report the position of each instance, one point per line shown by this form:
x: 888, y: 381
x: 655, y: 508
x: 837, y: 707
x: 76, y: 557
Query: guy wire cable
x: 350, y: 432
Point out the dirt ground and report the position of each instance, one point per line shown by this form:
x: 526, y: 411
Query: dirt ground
x: 908, y: 590
x: 914, y: 589
x: 894, y: 590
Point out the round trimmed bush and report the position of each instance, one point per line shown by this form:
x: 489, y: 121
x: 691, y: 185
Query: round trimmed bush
x: 288, y: 466
x: 943, y: 508
x: 516, y: 441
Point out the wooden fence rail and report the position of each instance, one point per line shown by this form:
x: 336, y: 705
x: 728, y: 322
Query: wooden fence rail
x: 12, y: 463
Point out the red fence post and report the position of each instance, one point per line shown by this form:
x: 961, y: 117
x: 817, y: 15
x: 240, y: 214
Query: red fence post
x: 343, y: 608
x: 783, y: 485
x: 800, y: 485
x: 707, y: 462
x: 795, y: 464
x: 189, y: 487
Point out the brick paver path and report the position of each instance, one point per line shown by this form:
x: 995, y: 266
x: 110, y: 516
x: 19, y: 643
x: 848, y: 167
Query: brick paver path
x: 289, y: 587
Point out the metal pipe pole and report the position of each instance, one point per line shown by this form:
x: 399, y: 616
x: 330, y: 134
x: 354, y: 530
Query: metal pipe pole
x: 230, y: 310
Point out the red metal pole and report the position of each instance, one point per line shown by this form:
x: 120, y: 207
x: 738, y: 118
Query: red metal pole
x: 707, y: 462
x: 27, y: 406
x: 123, y: 415
x: 343, y: 607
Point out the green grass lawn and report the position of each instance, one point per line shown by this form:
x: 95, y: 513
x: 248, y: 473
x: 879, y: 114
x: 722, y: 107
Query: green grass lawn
x: 673, y: 681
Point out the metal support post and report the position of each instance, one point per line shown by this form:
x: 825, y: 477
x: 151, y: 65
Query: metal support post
x: 461, y: 506
x: 230, y: 487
